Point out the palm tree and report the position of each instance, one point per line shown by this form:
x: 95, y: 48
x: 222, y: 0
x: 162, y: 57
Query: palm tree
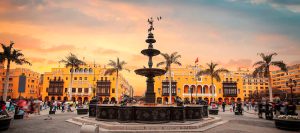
x: 10, y: 55
x: 214, y: 73
x: 263, y: 68
x: 169, y: 60
x: 117, y: 66
x: 73, y: 62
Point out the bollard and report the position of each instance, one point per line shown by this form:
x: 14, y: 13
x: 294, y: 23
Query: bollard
x: 89, y: 128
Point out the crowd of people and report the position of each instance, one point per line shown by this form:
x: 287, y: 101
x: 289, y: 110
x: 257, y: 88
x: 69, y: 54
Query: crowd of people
x: 35, y: 106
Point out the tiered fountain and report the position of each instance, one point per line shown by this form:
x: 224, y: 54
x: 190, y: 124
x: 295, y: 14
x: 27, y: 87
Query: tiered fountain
x: 149, y: 112
x: 150, y: 72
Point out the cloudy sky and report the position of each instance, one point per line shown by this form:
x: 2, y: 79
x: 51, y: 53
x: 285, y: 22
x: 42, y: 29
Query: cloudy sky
x: 230, y: 32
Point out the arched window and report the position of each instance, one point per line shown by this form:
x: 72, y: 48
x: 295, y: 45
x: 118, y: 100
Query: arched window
x: 186, y: 89
x: 85, y: 70
x: 205, y: 89
x: 90, y: 70
x: 199, y: 89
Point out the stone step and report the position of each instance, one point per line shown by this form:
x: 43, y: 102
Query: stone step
x: 188, y: 126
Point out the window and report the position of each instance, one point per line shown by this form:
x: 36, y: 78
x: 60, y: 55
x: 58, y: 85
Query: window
x: 105, y: 78
x: 73, y: 90
x: 239, y: 91
x: 86, y: 90
x: 113, y: 90
x: 75, y: 78
x: 10, y: 79
x: 159, y: 91
x: 220, y: 91
x: 79, y: 90
x: 66, y: 78
x: 66, y: 90
x: 80, y: 78
x: 85, y: 78
x: 178, y: 90
x: 47, y: 89
x: 48, y: 78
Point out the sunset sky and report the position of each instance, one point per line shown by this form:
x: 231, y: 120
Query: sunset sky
x: 230, y: 32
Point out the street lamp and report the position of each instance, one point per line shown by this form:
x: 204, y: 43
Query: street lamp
x: 291, y: 83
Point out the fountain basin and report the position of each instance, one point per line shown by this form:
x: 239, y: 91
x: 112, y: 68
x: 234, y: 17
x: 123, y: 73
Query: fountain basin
x: 150, y: 72
x: 150, y: 114
x: 150, y: 52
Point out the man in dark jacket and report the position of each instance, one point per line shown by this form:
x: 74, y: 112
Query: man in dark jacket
x: 223, y: 106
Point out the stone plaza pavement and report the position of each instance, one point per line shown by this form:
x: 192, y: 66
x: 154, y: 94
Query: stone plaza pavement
x: 247, y: 123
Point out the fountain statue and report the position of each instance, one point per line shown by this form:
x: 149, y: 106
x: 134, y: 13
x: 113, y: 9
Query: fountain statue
x: 150, y: 72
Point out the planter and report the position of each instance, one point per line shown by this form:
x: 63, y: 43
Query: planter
x: 5, y: 123
x: 213, y: 111
x: 82, y: 111
x: 51, y: 112
x: 18, y: 116
x: 287, y: 124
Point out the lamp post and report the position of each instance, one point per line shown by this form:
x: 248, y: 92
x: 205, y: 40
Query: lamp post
x: 291, y: 83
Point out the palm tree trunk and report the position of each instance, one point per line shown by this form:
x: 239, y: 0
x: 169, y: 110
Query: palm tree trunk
x: 212, y: 89
x: 71, y: 83
x: 170, y: 85
x: 117, y: 98
x: 270, y: 89
x: 6, y: 81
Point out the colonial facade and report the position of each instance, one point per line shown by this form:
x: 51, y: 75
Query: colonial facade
x: 22, y: 83
x: 186, y: 86
x: 279, y: 79
x: 252, y: 85
x: 87, y: 82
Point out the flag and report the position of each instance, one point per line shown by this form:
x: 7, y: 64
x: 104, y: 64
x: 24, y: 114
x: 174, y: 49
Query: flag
x: 196, y: 60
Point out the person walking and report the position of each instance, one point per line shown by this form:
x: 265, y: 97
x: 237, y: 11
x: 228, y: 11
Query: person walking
x: 63, y: 106
x: 223, y: 106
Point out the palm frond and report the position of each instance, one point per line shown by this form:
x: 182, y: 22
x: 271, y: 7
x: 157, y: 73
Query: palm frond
x: 161, y: 63
x: 110, y: 71
x: 72, y: 61
x: 259, y: 71
x: 280, y: 64
x: 201, y: 73
x: 217, y: 77
x: 178, y: 63
x: 221, y: 70
x: 258, y: 63
x: 112, y: 63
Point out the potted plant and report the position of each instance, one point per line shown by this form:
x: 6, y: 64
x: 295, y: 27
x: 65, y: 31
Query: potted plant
x: 82, y: 109
x: 288, y: 122
x: 4, y: 122
x: 214, y: 109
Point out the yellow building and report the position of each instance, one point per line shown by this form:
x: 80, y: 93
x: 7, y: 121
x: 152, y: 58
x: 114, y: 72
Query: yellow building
x: 252, y: 85
x: 31, y: 83
x: 183, y: 79
x: 279, y: 79
x: 56, y: 84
